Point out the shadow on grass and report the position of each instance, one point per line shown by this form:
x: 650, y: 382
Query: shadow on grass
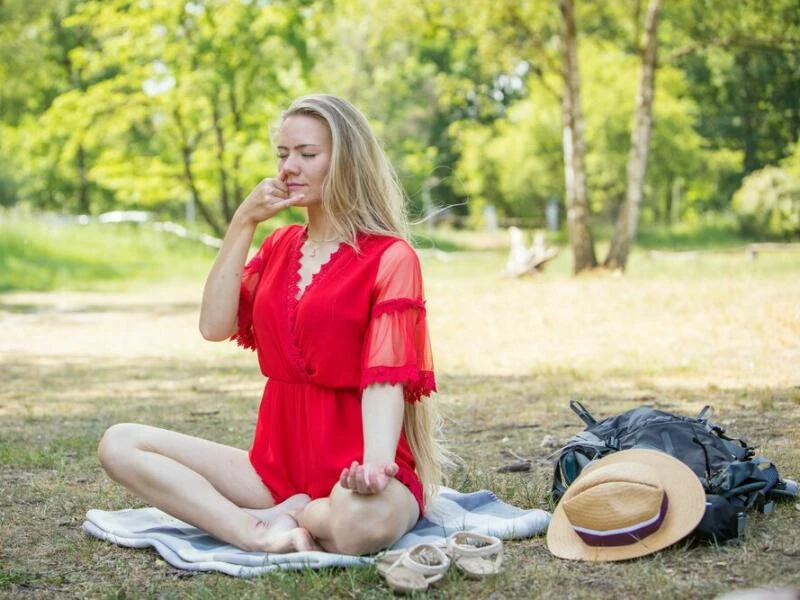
x: 52, y: 416
x: 52, y: 395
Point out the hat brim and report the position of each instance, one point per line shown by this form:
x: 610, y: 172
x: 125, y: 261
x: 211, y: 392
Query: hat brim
x: 687, y: 503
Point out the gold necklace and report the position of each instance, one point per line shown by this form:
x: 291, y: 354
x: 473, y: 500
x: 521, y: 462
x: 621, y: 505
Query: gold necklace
x: 315, y: 245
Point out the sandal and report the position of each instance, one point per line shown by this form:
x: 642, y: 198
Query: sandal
x: 476, y: 555
x: 413, y: 570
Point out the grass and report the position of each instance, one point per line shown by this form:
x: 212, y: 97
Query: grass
x: 679, y: 333
x: 38, y: 255
x: 41, y: 256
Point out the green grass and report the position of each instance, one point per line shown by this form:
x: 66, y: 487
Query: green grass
x: 701, y: 236
x: 38, y: 256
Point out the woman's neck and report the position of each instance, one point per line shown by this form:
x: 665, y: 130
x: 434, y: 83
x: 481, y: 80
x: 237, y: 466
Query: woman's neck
x: 320, y: 229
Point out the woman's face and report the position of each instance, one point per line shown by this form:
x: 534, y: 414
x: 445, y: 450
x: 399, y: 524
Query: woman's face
x: 304, y: 157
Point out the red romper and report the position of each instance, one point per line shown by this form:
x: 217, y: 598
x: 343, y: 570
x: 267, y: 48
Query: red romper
x: 361, y: 320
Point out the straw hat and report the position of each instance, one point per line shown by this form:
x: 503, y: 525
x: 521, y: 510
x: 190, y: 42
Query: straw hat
x: 626, y: 505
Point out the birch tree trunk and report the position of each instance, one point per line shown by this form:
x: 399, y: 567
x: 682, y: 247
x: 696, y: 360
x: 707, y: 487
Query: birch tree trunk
x: 628, y: 218
x: 577, y: 196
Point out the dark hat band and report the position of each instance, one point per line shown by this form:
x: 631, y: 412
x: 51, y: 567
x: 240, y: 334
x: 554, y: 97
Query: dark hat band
x: 627, y: 535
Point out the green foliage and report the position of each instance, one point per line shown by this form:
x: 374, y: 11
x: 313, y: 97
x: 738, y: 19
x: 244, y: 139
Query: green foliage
x: 768, y: 203
x: 741, y: 62
x: 111, y: 105
x: 514, y: 163
x: 413, y: 67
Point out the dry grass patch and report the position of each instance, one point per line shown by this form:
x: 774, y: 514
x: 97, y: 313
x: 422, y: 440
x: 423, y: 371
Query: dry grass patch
x: 510, y: 354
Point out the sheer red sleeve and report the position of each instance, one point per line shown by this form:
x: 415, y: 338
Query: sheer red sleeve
x: 247, y: 292
x: 397, y: 348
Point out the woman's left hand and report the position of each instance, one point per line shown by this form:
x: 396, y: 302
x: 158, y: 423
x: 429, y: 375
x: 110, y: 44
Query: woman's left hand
x: 369, y: 478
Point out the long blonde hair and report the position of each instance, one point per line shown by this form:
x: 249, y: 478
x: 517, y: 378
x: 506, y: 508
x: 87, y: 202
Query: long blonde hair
x: 362, y: 193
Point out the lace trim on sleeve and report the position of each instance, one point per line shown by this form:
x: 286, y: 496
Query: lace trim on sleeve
x: 244, y: 334
x: 396, y: 305
x: 244, y: 337
x: 416, y: 384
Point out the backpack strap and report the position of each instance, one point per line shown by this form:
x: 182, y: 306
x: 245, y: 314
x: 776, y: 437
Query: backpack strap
x: 703, y: 415
x: 580, y: 410
x: 737, y: 446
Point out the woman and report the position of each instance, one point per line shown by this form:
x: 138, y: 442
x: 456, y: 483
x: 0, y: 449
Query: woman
x: 343, y: 455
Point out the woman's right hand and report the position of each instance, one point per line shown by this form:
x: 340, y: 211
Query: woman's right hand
x: 266, y: 200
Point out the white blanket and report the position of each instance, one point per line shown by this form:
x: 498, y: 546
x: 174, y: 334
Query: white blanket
x: 186, y: 547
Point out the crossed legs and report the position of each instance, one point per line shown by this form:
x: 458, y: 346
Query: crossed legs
x: 215, y: 488
x: 204, y: 484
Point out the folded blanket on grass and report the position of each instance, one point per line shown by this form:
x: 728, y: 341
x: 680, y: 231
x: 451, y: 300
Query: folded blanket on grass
x: 186, y: 547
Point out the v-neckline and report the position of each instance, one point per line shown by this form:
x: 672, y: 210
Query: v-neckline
x: 296, y: 295
x: 292, y: 301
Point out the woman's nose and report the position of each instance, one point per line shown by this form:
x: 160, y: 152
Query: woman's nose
x: 288, y: 167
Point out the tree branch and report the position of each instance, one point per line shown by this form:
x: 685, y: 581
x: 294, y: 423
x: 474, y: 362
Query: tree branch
x: 779, y: 44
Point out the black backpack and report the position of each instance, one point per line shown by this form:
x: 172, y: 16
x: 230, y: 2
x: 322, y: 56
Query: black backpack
x: 735, y: 480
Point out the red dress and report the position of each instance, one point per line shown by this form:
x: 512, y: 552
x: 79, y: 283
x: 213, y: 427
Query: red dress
x: 360, y: 320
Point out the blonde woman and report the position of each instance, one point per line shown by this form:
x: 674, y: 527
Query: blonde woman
x: 343, y: 456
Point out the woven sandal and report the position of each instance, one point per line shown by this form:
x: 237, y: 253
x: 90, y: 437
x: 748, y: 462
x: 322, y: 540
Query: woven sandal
x: 413, y: 570
x: 476, y: 555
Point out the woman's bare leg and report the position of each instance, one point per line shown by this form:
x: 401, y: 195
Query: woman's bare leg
x: 352, y: 523
x: 200, y: 482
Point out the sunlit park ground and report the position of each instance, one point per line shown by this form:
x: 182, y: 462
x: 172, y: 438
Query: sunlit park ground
x: 679, y: 330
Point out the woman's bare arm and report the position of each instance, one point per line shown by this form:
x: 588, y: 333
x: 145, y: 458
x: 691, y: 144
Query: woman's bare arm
x: 382, y: 408
x: 218, y: 311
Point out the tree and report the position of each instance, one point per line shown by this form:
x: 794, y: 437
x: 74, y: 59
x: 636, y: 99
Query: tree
x: 201, y: 81
x: 417, y: 71
x: 38, y: 46
x: 628, y: 219
x: 743, y: 66
x: 577, y: 195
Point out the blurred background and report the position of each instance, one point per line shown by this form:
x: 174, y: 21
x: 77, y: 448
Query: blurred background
x: 598, y: 122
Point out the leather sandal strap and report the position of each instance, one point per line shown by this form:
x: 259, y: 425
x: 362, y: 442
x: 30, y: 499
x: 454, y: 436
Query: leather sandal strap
x: 409, y: 560
x: 493, y: 545
x: 431, y: 573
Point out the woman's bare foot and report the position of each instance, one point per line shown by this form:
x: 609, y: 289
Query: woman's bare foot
x: 291, y: 506
x: 283, y: 535
x: 296, y: 540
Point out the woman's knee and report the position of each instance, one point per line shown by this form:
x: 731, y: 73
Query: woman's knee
x: 365, y: 524
x: 116, y: 445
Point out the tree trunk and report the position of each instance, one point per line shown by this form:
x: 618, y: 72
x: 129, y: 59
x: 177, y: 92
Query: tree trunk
x: 238, y: 193
x: 186, y: 153
x: 83, y: 183
x: 628, y: 218
x: 219, y: 134
x: 577, y: 196
x: 675, y: 200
